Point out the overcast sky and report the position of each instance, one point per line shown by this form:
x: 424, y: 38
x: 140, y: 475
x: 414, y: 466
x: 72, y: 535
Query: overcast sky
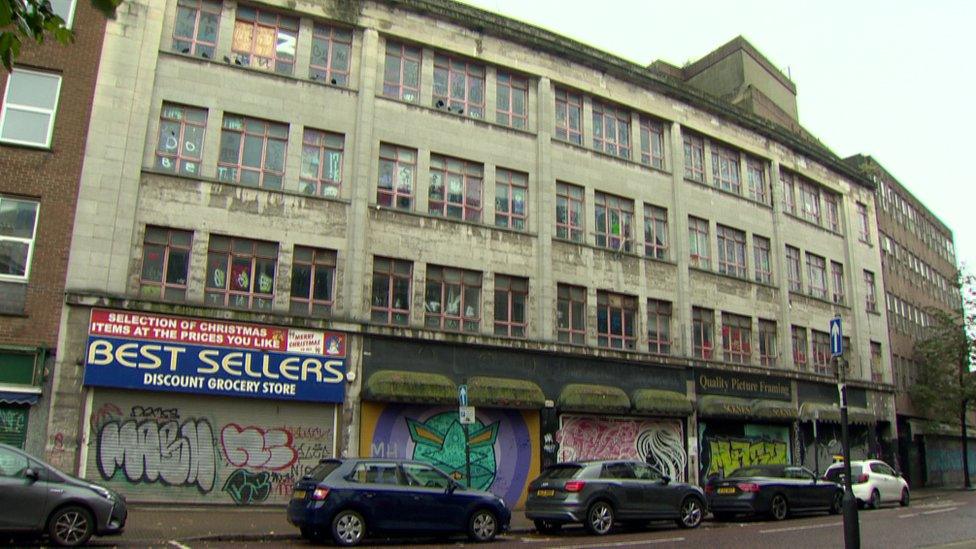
x: 893, y: 79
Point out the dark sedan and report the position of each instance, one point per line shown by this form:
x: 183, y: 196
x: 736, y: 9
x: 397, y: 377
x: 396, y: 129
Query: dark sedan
x: 348, y: 499
x: 601, y: 493
x: 773, y: 490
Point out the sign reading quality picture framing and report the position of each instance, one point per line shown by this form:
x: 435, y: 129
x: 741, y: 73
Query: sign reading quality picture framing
x: 135, y: 350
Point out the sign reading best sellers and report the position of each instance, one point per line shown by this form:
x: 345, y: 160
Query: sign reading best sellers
x: 135, y: 350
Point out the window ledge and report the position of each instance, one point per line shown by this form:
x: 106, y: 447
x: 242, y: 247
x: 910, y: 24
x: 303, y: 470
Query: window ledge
x: 811, y: 223
x: 214, y: 181
x: 27, y: 146
x: 451, y: 114
x: 730, y: 194
x: 629, y: 161
x: 415, y: 213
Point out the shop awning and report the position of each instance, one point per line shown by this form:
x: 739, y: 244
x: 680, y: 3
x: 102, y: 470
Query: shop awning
x: 660, y: 401
x: 403, y: 386
x: 929, y: 427
x: 12, y: 397
x: 831, y: 413
x: 722, y: 406
x: 584, y: 397
x: 503, y: 392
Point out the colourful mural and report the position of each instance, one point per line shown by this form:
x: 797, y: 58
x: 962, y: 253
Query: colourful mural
x: 503, y: 444
x: 659, y: 442
x: 722, y: 454
x: 165, y: 448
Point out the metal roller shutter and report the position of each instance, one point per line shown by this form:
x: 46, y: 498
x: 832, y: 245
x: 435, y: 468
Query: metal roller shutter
x: 159, y: 447
x: 13, y: 424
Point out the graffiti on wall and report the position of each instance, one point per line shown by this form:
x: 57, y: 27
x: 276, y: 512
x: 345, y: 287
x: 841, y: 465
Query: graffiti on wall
x: 823, y: 451
x: 943, y: 460
x: 13, y: 421
x: 724, y: 451
x: 168, y: 453
x: 655, y: 441
x: 503, y: 444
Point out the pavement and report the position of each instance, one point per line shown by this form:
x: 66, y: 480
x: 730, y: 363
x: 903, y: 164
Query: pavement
x: 148, y: 524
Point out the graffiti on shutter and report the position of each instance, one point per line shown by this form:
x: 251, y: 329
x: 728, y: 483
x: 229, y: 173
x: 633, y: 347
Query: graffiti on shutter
x: 13, y: 425
x: 159, y: 447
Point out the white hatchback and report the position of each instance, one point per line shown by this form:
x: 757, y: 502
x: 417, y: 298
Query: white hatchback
x: 873, y: 481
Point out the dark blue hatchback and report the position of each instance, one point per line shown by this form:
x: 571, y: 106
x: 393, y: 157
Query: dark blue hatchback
x: 348, y: 499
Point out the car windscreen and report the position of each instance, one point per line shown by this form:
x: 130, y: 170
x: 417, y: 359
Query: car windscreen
x: 836, y: 474
x: 560, y: 472
x: 322, y: 470
x: 775, y: 471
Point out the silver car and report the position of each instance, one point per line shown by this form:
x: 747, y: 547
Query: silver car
x: 36, y: 498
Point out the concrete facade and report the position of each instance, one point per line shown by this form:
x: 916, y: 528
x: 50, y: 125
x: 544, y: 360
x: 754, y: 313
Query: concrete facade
x: 122, y: 194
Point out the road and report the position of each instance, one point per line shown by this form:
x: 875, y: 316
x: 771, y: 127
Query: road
x: 940, y: 522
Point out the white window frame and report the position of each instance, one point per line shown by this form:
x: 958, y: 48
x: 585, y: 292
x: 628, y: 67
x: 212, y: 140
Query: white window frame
x: 30, y: 241
x: 69, y: 20
x: 52, y: 112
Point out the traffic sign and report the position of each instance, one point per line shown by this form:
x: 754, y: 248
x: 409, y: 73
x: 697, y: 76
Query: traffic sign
x: 466, y: 415
x: 462, y: 395
x: 836, y: 337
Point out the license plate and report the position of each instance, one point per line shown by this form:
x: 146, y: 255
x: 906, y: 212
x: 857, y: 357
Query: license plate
x: 545, y: 493
x: 299, y: 494
x: 726, y: 490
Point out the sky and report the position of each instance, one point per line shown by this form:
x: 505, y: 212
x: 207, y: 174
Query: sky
x: 891, y: 79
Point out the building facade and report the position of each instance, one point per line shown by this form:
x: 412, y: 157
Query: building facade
x: 44, y: 109
x: 311, y: 226
x: 920, y: 273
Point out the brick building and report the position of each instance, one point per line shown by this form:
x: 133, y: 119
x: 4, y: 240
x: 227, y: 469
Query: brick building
x: 304, y: 228
x: 45, y: 102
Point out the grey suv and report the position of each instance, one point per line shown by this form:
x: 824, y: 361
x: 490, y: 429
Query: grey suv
x: 602, y: 493
x: 36, y: 498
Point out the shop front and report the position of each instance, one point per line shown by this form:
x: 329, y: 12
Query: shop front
x: 820, y: 429
x: 743, y: 420
x: 197, y: 410
x: 20, y: 389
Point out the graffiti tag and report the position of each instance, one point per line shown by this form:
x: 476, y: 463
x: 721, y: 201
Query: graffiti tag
x: 441, y: 442
x: 729, y: 454
x: 247, y: 487
x: 257, y: 448
x: 12, y: 421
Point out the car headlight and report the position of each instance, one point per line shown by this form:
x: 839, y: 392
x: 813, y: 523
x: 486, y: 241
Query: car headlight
x: 102, y: 492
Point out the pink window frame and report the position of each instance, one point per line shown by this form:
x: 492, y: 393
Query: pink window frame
x: 756, y: 170
x: 321, y: 182
x: 391, y: 276
x: 837, y: 282
x: 798, y: 337
x: 574, y: 336
x: 569, y: 101
x: 282, y: 22
x: 167, y: 248
x: 657, y: 312
x: 402, y: 53
x: 653, y: 216
x: 627, y: 342
x: 564, y: 191
x: 617, y: 144
x: 725, y: 169
x: 698, y: 230
x: 506, y: 325
x: 651, y: 133
x: 820, y: 351
x: 180, y: 158
x: 472, y: 176
x: 395, y: 193
x: 265, y: 136
x: 512, y: 180
x: 694, y: 153
x: 767, y: 335
x: 472, y: 73
x: 331, y: 38
x: 871, y: 298
x: 199, y: 7
x: 441, y: 315
x: 624, y: 209
x: 514, y: 84
x: 253, y: 257
x: 733, y: 243
x: 703, y: 325
x: 320, y: 256
x: 762, y: 246
x: 817, y: 285
x: 736, y: 339
x: 794, y: 275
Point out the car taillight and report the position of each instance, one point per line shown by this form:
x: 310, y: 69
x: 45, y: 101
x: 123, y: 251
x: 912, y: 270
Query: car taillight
x: 861, y: 479
x: 747, y: 487
x: 320, y: 493
x: 574, y: 485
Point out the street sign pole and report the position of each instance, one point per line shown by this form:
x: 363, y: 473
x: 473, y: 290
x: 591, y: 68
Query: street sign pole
x: 463, y: 402
x: 852, y: 529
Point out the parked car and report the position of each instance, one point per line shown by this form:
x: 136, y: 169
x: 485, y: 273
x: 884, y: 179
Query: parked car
x: 600, y: 494
x: 773, y: 490
x: 36, y: 498
x: 348, y: 499
x: 873, y: 482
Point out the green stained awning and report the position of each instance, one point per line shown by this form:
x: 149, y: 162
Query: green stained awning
x: 721, y: 406
x: 831, y: 413
x: 503, y: 392
x: 584, y: 397
x: 660, y: 401
x: 403, y: 386
x: 861, y: 416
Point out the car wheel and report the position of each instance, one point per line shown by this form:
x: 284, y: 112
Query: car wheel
x: 779, y: 508
x: 599, y: 519
x: 692, y: 512
x: 875, y: 501
x: 547, y: 526
x: 483, y: 526
x: 348, y: 528
x: 71, y: 526
x: 905, y: 498
x: 837, y: 503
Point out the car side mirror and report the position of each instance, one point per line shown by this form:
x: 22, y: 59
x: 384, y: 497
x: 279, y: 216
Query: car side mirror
x: 454, y: 485
x: 32, y: 474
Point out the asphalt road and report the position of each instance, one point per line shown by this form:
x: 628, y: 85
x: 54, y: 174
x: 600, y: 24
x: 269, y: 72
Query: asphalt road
x: 949, y: 521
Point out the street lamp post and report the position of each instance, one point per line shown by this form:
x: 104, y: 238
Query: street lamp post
x: 852, y: 529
